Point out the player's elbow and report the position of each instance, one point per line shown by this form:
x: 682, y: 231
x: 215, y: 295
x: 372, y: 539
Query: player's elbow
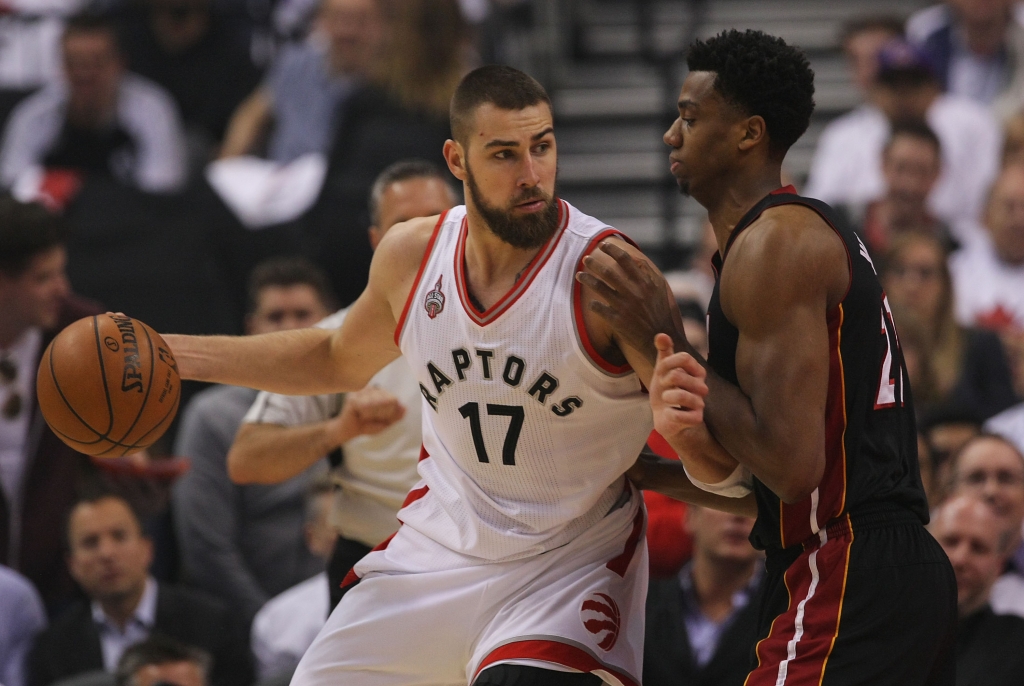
x: 241, y: 467
x: 797, y: 484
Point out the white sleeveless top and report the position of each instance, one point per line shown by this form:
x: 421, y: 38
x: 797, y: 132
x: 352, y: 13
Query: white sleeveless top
x: 527, y: 431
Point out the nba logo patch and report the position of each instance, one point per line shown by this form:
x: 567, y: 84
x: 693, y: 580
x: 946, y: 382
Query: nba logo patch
x: 434, y: 302
x: 600, y: 616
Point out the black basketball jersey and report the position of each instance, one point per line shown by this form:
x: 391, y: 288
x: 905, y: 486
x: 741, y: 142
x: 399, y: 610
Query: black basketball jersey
x: 870, y: 434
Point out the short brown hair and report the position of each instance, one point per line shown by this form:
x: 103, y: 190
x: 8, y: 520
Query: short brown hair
x: 503, y: 87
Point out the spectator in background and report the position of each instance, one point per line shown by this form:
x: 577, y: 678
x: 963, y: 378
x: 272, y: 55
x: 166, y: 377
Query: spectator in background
x: 189, y: 48
x: 862, y: 40
x: 701, y: 623
x: 100, y: 120
x: 992, y: 469
x: 988, y: 273
x: 847, y: 166
x: 39, y: 474
x: 425, y: 54
x: 304, y: 94
x: 24, y: 617
x: 286, y: 626
x: 977, y: 49
x: 988, y: 644
x: 965, y: 366
x: 109, y: 556
x: 911, y: 163
x: 163, y: 660
x: 244, y: 544
x: 283, y: 435
x: 30, y: 42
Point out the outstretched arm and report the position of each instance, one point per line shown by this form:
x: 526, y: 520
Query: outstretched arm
x: 318, y: 361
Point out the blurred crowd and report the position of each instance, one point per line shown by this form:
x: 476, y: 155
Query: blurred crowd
x: 220, y: 166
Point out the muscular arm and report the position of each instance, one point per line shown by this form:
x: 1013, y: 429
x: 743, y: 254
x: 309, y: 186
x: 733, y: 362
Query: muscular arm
x: 783, y: 275
x: 318, y: 361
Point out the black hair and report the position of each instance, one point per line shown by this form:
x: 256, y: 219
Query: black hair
x: 763, y: 76
x: 888, y: 23
x: 403, y: 170
x: 26, y: 230
x: 92, y: 22
x: 915, y: 128
x: 158, y: 649
x: 503, y: 87
x: 93, y: 492
x: 288, y: 271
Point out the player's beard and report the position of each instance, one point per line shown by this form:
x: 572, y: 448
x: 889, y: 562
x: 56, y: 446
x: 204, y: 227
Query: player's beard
x: 525, y: 231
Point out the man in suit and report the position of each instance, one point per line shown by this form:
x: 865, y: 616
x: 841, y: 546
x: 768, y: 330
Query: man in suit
x: 701, y: 624
x: 109, y: 557
x: 977, y: 542
x: 39, y: 475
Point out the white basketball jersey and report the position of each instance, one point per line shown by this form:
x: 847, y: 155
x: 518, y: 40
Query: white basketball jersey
x: 527, y: 431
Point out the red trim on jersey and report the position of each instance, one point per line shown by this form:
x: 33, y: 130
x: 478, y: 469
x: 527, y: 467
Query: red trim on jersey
x: 659, y: 445
x: 557, y: 653
x: 414, y: 495
x: 519, y: 287
x: 423, y: 453
x: 814, y: 632
x: 785, y: 190
x: 577, y: 309
x: 353, y: 578
x: 419, y: 275
x: 620, y: 563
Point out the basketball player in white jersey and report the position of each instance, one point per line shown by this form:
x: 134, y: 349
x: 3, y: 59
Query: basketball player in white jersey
x: 521, y: 558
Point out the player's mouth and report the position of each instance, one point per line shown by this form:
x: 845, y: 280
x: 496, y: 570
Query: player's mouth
x: 674, y: 165
x: 532, y: 205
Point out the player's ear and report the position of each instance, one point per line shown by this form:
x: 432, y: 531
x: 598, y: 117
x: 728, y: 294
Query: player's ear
x: 374, y: 234
x: 455, y: 156
x: 754, y: 132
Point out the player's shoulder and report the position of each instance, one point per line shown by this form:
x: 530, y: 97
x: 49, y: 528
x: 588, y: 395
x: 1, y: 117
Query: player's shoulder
x: 791, y: 230
x: 404, y: 245
x: 788, y: 244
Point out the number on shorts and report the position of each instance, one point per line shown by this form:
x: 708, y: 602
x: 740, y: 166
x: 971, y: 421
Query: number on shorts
x: 471, y: 411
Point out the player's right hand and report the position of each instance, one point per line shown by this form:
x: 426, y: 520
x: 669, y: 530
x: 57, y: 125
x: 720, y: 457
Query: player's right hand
x: 677, y: 389
x: 365, y: 413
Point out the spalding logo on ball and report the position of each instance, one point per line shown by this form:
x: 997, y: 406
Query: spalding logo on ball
x: 108, y: 385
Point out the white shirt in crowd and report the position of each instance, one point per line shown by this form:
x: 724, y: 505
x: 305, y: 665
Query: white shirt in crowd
x: 377, y: 471
x: 14, y: 431
x: 847, y: 165
x: 285, y: 627
x: 145, y: 112
x: 30, y: 33
x: 114, y: 640
x: 986, y: 289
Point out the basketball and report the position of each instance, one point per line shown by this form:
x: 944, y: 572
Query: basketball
x: 108, y: 385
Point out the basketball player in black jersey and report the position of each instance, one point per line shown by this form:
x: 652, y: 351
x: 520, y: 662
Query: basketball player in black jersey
x: 808, y: 404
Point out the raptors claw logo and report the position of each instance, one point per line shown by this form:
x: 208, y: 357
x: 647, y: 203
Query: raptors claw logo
x: 600, y: 616
x: 434, y: 302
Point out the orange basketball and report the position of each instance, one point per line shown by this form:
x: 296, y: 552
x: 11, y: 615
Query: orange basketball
x: 108, y: 385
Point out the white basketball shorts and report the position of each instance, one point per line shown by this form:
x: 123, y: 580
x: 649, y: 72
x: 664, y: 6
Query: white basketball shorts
x: 421, y: 615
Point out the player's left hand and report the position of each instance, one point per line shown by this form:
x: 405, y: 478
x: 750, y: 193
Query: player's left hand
x: 678, y: 389
x: 633, y: 297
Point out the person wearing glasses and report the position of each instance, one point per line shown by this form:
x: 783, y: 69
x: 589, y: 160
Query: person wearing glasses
x: 991, y: 468
x: 38, y: 473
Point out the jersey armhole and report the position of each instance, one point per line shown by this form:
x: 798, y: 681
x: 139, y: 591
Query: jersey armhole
x: 419, y: 276
x: 577, y: 309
